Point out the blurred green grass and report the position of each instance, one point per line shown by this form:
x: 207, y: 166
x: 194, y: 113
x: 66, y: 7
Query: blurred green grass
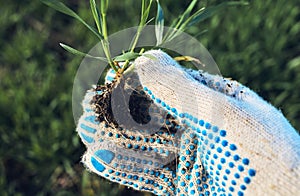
x: 39, y: 149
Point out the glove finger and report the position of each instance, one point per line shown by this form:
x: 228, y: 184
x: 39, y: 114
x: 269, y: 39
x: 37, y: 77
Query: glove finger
x: 133, y: 158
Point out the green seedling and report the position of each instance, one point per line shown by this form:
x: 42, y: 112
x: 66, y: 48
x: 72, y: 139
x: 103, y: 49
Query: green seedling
x: 187, y: 19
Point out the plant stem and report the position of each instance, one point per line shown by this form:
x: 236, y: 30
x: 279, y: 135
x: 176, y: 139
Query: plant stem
x: 138, y: 33
x: 106, y: 49
x: 104, y: 42
x: 104, y: 26
x: 144, y: 16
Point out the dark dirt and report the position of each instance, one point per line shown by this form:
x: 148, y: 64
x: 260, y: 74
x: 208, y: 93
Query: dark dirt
x: 133, y: 103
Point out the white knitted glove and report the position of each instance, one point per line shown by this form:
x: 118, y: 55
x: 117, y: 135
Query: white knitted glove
x: 225, y: 139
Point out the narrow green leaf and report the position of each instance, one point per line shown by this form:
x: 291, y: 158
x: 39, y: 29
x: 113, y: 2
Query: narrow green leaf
x: 182, y: 27
x: 188, y: 11
x: 150, y: 20
x: 210, y: 11
x: 159, y: 24
x: 104, y: 6
x: 198, y: 12
x: 185, y: 15
x: 96, y: 15
x: 143, y: 8
x: 59, y: 6
x: 143, y: 22
x: 179, y: 21
x: 127, y: 56
x: 77, y: 52
x: 201, y: 33
x: 146, y: 13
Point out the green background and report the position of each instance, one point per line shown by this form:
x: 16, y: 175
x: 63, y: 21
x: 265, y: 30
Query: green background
x: 40, y: 152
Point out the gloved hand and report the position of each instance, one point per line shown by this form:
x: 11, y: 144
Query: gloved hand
x: 217, y: 137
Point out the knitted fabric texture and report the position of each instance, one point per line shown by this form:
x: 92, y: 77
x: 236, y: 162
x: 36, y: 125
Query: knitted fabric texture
x: 216, y: 136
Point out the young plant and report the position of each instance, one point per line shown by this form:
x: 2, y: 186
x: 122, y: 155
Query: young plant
x: 182, y: 23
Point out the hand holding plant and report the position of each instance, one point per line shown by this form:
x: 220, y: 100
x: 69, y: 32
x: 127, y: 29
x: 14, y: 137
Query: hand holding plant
x: 207, y: 130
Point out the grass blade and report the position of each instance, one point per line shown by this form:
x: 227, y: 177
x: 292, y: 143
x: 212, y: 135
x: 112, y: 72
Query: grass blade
x: 179, y: 21
x: 127, y: 56
x: 210, y: 11
x: 104, y: 41
x: 144, y: 16
x: 77, y: 52
x: 59, y: 6
x: 188, y: 11
x: 159, y: 24
x: 186, y: 14
x: 96, y: 15
x: 104, y: 6
x: 184, y: 22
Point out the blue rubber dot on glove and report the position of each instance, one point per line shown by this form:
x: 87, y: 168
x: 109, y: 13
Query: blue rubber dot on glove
x: 97, y: 165
x: 88, y: 129
x: 92, y: 119
x: 106, y: 155
x: 88, y: 139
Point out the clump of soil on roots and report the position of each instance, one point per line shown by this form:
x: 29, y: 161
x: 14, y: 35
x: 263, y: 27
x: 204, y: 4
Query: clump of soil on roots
x: 126, y: 94
x: 138, y: 103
